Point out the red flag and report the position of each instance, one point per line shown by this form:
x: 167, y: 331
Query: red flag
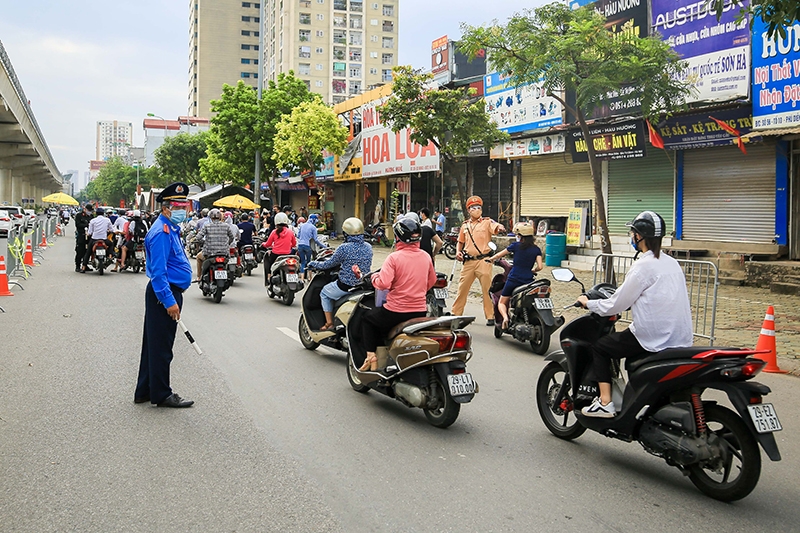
x: 732, y: 131
x: 655, y: 139
x: 366, y: 193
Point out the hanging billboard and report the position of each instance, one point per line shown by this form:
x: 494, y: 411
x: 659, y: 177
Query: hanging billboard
x: 776, y: 78
x: 522, y: 108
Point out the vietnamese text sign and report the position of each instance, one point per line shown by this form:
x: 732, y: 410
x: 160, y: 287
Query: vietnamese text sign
x: 530, y: 146
x: 699, y: 131
x: 776, y: 78
x: 718, y: 53
x: 576, y: 226
x: 439, y: 55
x: 519, y: 108
x: 611, y: 141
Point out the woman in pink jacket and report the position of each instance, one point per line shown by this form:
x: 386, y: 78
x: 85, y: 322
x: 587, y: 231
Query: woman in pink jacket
x: 407, y: 274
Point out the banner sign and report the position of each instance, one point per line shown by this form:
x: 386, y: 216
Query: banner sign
x: 611, y: 141
x: 385, y: 152
x: 776, y: 78
x: 522, y: 108
x: 699, y: 131
x: 326, y: 170
x: 718, y: 52
x: 530, y: 146
x: 439, y: 55
x: 576, y: 226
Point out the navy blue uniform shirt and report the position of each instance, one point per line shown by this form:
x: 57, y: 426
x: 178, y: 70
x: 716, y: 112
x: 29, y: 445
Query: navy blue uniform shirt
x: 166, y: 260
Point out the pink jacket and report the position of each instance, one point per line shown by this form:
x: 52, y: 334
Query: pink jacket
x: 408, y: 274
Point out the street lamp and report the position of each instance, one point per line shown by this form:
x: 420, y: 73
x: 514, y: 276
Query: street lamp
x: 166, y: 125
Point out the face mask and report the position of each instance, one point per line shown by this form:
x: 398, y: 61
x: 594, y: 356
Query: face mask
x: 633, y: 243
x: 178, y: 216
x: 519, y: 238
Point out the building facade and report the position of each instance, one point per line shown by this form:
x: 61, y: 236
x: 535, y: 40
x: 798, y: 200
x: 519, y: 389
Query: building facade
x: 156, y: 131
x: 114, y: 139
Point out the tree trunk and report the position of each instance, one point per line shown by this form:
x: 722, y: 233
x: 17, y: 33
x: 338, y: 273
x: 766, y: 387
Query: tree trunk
x: 447, y: 162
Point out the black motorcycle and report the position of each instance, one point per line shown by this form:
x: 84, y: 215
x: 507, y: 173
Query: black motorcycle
x: 661, y: 406
x: 216, y: 278
x: 249, y: 260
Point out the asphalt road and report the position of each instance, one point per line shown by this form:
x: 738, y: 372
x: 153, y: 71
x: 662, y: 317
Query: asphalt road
x: 279, y: 441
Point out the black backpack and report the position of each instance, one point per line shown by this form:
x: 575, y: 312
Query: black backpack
x: 139, y: 229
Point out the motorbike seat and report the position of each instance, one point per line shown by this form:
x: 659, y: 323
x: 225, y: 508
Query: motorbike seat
x: 398, y: 329
x: 527, y: 286
x: 666, y: 355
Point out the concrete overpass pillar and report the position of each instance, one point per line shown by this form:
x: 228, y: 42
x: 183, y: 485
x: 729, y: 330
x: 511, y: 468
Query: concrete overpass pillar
x: 25, y: 189
x: 37, y: 198
x: 16, y: 190
x: 5, y: 185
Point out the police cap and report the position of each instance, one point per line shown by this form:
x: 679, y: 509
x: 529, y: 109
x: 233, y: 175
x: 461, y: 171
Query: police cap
x: 173, y: 191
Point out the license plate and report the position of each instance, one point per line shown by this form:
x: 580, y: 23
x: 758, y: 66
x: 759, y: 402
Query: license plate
x: 292, y: 278
x: 765, y: 419
x: 248, y: 256
x: 440, y: 294
x: 543, y: 303
x: 460, y: 384
x: 100, y: 252
x: 232, y: 261
x: 139, y: 255
x: 220, y: 274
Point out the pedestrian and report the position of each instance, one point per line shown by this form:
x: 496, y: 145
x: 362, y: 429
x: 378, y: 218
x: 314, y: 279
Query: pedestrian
x: 304, y: 212
x: 82, y: 220
x: 438, y: 216
x: 474, y: 238
x: 170, y: 274
x: 425, y: 217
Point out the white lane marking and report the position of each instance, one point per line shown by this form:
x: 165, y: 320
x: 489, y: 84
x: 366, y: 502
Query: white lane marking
x: 292, y: 334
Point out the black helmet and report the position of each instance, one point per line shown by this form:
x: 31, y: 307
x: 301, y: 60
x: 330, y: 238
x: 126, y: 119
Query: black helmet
x: 648, y: 224
x: 407, y: 230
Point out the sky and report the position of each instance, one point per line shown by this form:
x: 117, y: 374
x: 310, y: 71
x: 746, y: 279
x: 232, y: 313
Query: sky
x: 80, y: 61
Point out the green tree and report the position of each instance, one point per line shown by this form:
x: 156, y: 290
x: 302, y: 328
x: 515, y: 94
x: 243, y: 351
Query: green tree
x: 178, y: 159
x: 451, y: 119
x: 302, y: 135
x: 572, y: 50
x: 778, y: 14
x: 116, y: 181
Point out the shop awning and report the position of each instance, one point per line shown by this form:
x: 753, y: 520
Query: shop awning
x: 208, y: 192
x: 778, y: 132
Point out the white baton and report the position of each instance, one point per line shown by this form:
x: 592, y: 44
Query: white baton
x: 190, y: 338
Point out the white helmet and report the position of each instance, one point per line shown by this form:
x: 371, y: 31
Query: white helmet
x: 281, y: 218
x: 353, y: 226
x: 413, y: 216
x: 136, y: 213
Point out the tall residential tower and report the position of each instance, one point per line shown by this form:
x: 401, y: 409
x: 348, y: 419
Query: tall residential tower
x: 113, y: 139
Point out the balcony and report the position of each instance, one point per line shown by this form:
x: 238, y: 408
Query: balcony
x: 387, y: 59
x: 340, y: 73
x: 388, y: 25
x: 339, y: 21
x: 339, y: 53
x: 355, y: 55
x: 356, y: 23
x: 306, y: 3
x: 357, y: 6
x: 340, y: 5
x: 388, y: 11
x: 339, y: 37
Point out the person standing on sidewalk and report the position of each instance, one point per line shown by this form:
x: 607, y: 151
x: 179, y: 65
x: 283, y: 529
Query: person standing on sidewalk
x: 170, y: 274
x: 82, y: 220
x: 474, y: 238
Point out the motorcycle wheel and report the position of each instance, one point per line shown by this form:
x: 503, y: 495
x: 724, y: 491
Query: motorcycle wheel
x: 450, y: 250
x: 217, y: 295
x: 540, y: 341
x: 136, y: 268
x: 445, y: 415
x: 498, y: 332
x: 101, y: 267
x: 741, y: 458
x: 385, y: 241
x: 287, y: 297
x: 305, y: 338
x: 555, y: 418
x: 249, y: 271
x: 353, y: 378
x: 433, y: 308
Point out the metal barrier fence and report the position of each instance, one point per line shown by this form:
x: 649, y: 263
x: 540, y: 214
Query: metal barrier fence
x: 702, y: 282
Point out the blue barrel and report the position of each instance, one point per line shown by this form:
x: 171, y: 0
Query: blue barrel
x: 555, y: 249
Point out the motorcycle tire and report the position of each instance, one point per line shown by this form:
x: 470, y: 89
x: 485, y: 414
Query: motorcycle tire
x: 136, y: 269
x: 540, y: 342
x: 445, y: 415
x: 269, y: 292
x: 498, y: 332
x: 217, y: 295
x: 101, y: 268
x: 287, y: 297
x: 305, y: 337
x: 352, y: 378
x: 386, y: 242
x: 741, y: 447
x: 249, y: 271
x: 433, y: 308
x: 449, y: 250
x: 547, y: 388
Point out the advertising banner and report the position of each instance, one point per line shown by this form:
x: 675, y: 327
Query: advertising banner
x: 718, y: 53
x: 576, y: 226
x: 699, y: 131
x: 439, y: 55
x: 530, y: 146
x: 519, y: 108
x: 611, y: 141
x: 385, y: 152
x: 776, y: 78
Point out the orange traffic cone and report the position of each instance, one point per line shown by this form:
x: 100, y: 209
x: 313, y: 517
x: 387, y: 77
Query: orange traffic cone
x: 43, y: 244
x: 27, y: 259
x: 766, y: 341
x: 4, y: 279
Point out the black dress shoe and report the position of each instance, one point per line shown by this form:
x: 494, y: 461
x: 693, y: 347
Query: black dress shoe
x: 490, y: 322
x: 173, y: 400
x: 141, y: 400
x: 77, y: 269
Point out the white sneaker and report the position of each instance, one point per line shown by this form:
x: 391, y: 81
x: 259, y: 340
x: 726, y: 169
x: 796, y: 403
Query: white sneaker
x: 598, y: 410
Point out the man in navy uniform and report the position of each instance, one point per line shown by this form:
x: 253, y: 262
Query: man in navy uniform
x: 170, y: 274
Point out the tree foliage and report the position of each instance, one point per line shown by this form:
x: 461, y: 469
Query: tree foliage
x: 117, y: 181
x: 572, y: 50
x: 452, y: 119
x: 178, y: 159
x: 302, y: 135
x: 777, y: 14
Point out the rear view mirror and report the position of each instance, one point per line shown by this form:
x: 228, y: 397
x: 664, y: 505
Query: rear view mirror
x: 492, y: 246
x: 563, y: 274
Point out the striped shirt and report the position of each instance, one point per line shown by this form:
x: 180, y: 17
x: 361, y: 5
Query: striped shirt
x: 217, y: 238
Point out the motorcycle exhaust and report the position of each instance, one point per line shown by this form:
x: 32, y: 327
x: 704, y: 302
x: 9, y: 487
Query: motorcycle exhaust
x: 410, y: 393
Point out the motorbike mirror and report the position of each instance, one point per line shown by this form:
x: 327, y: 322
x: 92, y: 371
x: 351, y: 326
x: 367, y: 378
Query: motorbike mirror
x: 492, y: 246
x: 563, y: 274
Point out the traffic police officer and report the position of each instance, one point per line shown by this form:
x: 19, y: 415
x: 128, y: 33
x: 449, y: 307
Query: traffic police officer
x: 170, y: 274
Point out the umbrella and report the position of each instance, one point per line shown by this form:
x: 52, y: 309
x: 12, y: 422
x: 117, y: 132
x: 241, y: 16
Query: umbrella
x: 237, y: 201
x: 60, y: 198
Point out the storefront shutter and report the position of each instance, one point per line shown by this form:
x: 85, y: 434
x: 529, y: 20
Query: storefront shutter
x: 549, y: 185
x: 636, y: 185
x: 729, y: 196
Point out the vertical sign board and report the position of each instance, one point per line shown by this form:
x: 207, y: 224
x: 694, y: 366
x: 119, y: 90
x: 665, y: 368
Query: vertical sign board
x: 522, y: 108
x: 776, y: 78
x: 717, y: 52
x: 440, y: 61
x: 576, y: 226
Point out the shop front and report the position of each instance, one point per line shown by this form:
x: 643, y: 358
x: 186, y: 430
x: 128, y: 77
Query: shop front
x: 643, y: 184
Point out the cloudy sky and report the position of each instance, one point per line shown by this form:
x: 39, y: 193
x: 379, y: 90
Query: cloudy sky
x: 80, y: 61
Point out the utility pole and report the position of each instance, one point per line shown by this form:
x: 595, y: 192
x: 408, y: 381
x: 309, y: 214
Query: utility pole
x: 257, y: 181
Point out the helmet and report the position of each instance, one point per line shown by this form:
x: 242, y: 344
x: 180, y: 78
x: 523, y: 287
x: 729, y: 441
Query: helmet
x: 215, y: 214
x: 204, y: 212
x: 128, y: 213
x: 137, y: 213
x: 407, y: 230
x: 313, y: 217
x: 301, y: 220
x: 281, y: 218
x: 287, y: 208
x: 526, y: 230
x: 648, y: 224
x: 353, y: 226
x: 245, y: 217
x: 228, y: 214
x: 412, y: 216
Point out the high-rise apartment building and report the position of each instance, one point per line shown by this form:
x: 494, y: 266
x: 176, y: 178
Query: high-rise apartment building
x: 113, y: 139
x: 338, y: 47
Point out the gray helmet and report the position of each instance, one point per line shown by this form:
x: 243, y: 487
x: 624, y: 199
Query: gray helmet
x: 281, y: 218
x: 413, y: 216
x: 648, y: 224
x: 204, y: 212
x: 215, y: 214
x: 353, y: 226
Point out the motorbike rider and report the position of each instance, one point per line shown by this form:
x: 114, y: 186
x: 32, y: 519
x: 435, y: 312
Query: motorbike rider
x: 407, y: 274
x: 474, y: 238
x: 98, y: 230
x: 135, y: 232
x: 246, y: 229
x: 217, y: 238
x: 82, y: 220
x: 354, y: 254
x: 306, y: 234
x: 655, y: 291
x: 527, y: 261
x: 203, y: 220
x: 282, y: 240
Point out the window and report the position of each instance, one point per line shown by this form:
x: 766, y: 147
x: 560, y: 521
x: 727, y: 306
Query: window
x: 373, y: 22
x: 245, y: 4
x: 308, y: 84
x: 388, y: 25
x: 387, y: 59
x: 339, y: 21
x: 356, y: 6
x: 245, y: 47
x: 255, y: 34
x: 388, y: 42
x: 339, y: 36
x: 386, y: 75
x: 257, y: 6
x: 373, y: 71
x: 305, y: 35
x: 320, y: 16
x: 339, y: 86
x: 355, y: 71
x: 355, y: 37
x: 305, y: 18
x: 305, y: 69
x: 318, y: 83
x: 245, y: 19
x: 388, y: 11
x: 245, y: 61
x: 305, y: 51
x: 374, y: 38
x: 341, y: 5
x: 338, y: 53
x: 245, y: 74
x: 320, y: 33
x: 246, y: 33
x: 355, y: 54
x: 339, y: 69
x: 320, y: 50
x: 320, y: 66
x: 256, y: 19
x: 375, y: 5
x: 373, y: 55
x: 255, y: 47
x: 355, y: 22
x: 305, y: 3
x: 355, y: 87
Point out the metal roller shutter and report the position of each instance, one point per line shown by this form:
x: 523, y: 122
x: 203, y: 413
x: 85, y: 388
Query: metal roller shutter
x: 636, y: 185
x: 729, y: 196
x: 549, y: 185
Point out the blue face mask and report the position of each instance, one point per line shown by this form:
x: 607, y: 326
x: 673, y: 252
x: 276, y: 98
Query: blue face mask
x: 633, y: 243
x: 178, y: 216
